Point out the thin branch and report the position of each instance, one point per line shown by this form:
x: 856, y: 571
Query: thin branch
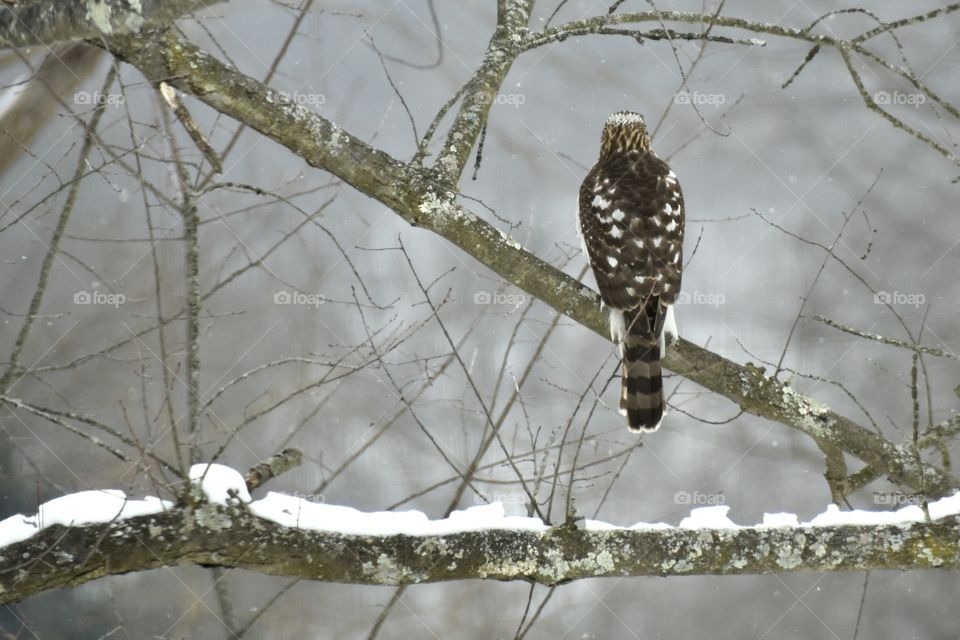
x: 273, y: 467
x: 412, y: 194
x: 893, y: 342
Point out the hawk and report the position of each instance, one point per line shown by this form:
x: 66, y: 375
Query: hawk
x: 631, y: 226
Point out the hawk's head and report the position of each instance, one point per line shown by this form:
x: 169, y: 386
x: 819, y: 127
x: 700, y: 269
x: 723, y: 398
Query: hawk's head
x: 624, y: 131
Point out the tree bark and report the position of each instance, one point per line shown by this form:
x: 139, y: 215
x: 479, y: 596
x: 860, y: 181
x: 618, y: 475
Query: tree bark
x: 214, y: 536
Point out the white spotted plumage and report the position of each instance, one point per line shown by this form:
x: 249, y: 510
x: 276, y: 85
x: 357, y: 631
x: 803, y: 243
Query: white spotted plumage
x: 631, y: 226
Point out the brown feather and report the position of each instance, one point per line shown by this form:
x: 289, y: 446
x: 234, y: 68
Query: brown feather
x: 631, y: 218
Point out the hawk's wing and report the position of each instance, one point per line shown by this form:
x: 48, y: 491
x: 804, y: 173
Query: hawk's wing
x: 631, y: 218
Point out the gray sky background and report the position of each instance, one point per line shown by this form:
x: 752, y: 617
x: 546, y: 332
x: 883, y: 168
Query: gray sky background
x: 803, y: 157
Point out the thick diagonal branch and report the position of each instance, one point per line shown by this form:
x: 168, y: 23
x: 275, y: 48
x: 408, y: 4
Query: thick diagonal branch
x: 414, y: 194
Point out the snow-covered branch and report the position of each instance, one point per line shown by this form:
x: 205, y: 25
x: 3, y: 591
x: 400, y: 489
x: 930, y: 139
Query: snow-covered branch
x: 289, y: 536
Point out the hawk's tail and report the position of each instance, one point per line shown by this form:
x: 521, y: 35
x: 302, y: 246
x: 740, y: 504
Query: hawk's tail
x: 641, y: 391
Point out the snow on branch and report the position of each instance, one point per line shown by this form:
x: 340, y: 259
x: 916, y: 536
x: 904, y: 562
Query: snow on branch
x: 91, y: 534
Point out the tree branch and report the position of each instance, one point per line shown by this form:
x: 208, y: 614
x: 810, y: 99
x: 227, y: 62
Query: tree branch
x: 214, y: 536
x: 512, y: 19
x: 414, y: 194
x: 44, y: 23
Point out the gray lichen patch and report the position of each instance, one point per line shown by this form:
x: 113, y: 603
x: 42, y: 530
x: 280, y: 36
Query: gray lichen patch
x: 102, y: 14
x: 432, y: 206
x: 388, y: 570
x: 789, y: 556
x: 212, y: 518
x: 433, y: 547
x: 810, y: 411
x: 99, y: 13
x: 134, y: 19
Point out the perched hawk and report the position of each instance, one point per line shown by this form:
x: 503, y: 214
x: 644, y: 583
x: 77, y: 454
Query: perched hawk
x: 631, y: 225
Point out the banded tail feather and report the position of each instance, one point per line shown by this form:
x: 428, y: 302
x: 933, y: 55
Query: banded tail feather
x: 641, y: 384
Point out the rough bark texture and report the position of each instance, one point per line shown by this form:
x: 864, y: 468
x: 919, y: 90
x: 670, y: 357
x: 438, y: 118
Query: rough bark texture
x: 50, y: 21
x: 233, y: 538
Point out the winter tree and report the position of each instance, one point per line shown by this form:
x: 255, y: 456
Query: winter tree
x: 298, y: 338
